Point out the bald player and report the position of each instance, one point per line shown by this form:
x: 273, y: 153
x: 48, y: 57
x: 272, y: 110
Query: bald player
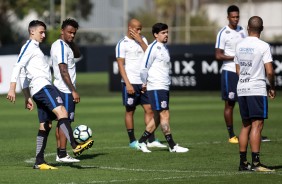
x: 129, y: 53
x: 253, y: 61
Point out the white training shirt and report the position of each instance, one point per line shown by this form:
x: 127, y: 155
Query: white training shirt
x: 133, y: 54
x: 61, y: 53
x: 155, y: 67
x: 33, y: 66
x: 251, y: 55
x: 226, y: 40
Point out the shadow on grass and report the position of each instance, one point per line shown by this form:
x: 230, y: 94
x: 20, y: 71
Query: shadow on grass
x: 275, y: 167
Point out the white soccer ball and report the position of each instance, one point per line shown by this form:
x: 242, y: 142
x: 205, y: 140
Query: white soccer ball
x: 82, y: 133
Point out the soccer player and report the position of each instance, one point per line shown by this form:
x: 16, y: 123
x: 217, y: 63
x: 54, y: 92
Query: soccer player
x: 253, y: 62
x: 35, y: 76
x: 155, y: 77
x: 129, y: 53
x: 63, y: 52
x: 227, y: 38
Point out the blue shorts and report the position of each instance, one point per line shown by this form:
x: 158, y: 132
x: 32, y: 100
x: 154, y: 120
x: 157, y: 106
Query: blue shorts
x: 159, y: 99
x: 136, y: 99
x: 69, y: 104
x: 229, y: 82
x: 253, y: 107
x: 46, y: 100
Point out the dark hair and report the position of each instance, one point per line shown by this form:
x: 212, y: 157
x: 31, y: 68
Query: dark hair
x: 36, y: 23
x: 232, y: 8
x: 255, y: 24
x: 159, y: 27
x: 70, y: 22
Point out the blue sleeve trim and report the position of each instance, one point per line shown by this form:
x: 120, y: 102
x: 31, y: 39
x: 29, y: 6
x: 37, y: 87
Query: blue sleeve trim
x: 24, y: 50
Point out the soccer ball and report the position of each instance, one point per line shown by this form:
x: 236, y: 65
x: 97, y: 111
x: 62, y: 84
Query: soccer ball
x: 82, y: 133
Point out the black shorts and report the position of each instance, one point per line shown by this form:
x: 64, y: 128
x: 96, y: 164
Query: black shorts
x: 253, y: 107
x: 229, y: 82
x: 159, y: 99
x: 136, y: 99
x: 69, y: 104
x: 46, y: 100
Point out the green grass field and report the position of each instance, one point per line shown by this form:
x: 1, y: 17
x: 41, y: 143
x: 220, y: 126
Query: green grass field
x: 196, y: 123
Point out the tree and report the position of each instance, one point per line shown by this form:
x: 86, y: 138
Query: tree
x: 14, y: 10
x: 174, y: 13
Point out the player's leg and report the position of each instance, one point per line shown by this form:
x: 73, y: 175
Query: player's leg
x: 129, y: 124
x: 243, y: 145
x: 62, y: 155
x: 258, y: 106
x: 45, y: 117
x: 148, y: 116
x: 229, y: 95
x: 130, y: 103
x: 53, y: 101
x: 244, y: 165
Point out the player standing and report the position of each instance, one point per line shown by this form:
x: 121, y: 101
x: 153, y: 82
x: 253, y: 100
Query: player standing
x: 63, y: 52
x: 226, y: 40
x: 253, y: 62
x: 155, y: 77
x: 129, y: 53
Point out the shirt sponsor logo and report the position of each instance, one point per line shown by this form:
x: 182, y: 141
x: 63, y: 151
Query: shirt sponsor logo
x: 244, y: 80
x: 246, y: 50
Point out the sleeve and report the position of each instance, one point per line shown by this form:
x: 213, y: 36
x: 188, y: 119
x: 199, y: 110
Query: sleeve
x: 267, y: 57
x: 22, y: 61
x: 147, y: 61
x: 145, y: 40
x: 61, y: 53
x: 220, y: 41
x: 120, y: 50
x: 23, y: 79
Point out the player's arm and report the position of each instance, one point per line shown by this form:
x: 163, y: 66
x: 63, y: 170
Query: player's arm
x: 129, y: 87
x: 23, y: 59
x: 219, y: 55
x: 66, y: 78
x: 145, y: 66
x: 138, y: 38
x: 28, y: 101
x: 270, y: 76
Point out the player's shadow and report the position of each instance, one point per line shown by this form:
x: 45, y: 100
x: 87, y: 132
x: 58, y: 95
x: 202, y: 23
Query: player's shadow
x: 277, y: 167
x: 90, y: 156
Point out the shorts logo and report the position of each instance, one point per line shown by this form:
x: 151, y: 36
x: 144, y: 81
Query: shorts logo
x: 59, y: 99
x: 130, y: 101
x: 163, y: 104
x: 231, y: 95
x: 71, y: 115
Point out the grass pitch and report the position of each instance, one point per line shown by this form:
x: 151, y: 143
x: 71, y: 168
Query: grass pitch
x: 196, y: 123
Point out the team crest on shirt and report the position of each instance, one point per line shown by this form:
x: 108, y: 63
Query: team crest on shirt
x: 158, y: 47
x: 231, y: 95
x: 59, y: 99
x: 227, y: 32
x: 130, y: 101
x: 242, y: 35
x: 163, y: 104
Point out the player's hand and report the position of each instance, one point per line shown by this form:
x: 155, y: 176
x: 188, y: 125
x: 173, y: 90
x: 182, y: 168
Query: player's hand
x: 29, y: 104
x: 271, y: 93
x: 135, y: 35
x: 11, y: 96
x: 130, y: 89
x: 76, y: 97
x: 144, y: 88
